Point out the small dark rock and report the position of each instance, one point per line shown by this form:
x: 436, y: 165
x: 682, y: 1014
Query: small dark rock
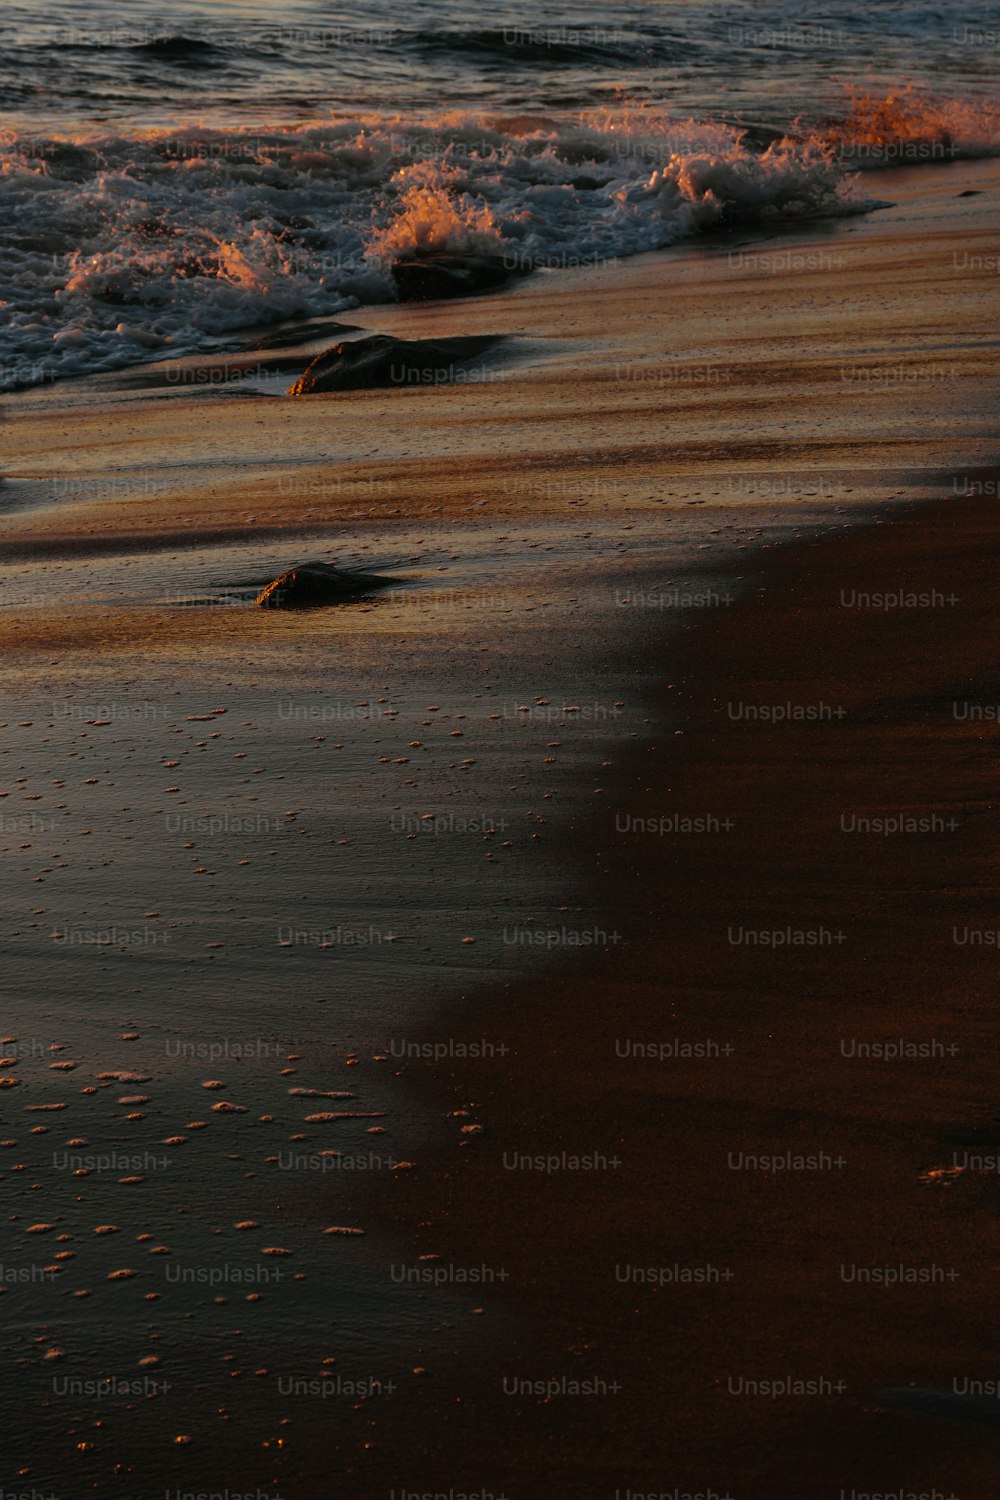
x: 380, y: 360
x: 432, y: 277
x: 311, y: 585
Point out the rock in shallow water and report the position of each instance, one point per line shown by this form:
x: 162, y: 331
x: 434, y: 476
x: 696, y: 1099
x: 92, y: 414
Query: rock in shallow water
x: 428, y: 278
x: 311, y: 585
x: 381, y: 360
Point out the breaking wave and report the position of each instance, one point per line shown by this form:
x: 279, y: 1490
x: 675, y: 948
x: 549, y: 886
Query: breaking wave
x: 122, y: 248
x: 909, y: 126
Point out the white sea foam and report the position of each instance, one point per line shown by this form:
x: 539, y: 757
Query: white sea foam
x: 119, y: 249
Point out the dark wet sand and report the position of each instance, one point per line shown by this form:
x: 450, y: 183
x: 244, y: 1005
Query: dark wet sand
x: 679, y: 1352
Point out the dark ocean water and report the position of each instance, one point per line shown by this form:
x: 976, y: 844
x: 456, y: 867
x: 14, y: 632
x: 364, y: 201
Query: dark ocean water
x: 230, y: 61
x: 170, y: 176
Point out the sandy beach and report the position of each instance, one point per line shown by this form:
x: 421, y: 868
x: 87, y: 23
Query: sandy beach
x: 270, y: 862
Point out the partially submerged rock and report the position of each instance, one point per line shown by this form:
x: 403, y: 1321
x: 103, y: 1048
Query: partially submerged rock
x: 380, y: 360
x: 311, y: 585
x: 428, y: 278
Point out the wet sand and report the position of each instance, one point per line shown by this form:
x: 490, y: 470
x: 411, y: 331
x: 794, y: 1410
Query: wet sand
x: 251, y: 793
x: 673, y: 1270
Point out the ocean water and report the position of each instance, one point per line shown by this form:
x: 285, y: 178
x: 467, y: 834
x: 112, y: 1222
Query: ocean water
x: 169, y: 181
x: 234, y: 60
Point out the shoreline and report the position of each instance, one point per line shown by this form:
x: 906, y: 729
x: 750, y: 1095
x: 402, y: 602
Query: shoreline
x: 761, y: 1299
